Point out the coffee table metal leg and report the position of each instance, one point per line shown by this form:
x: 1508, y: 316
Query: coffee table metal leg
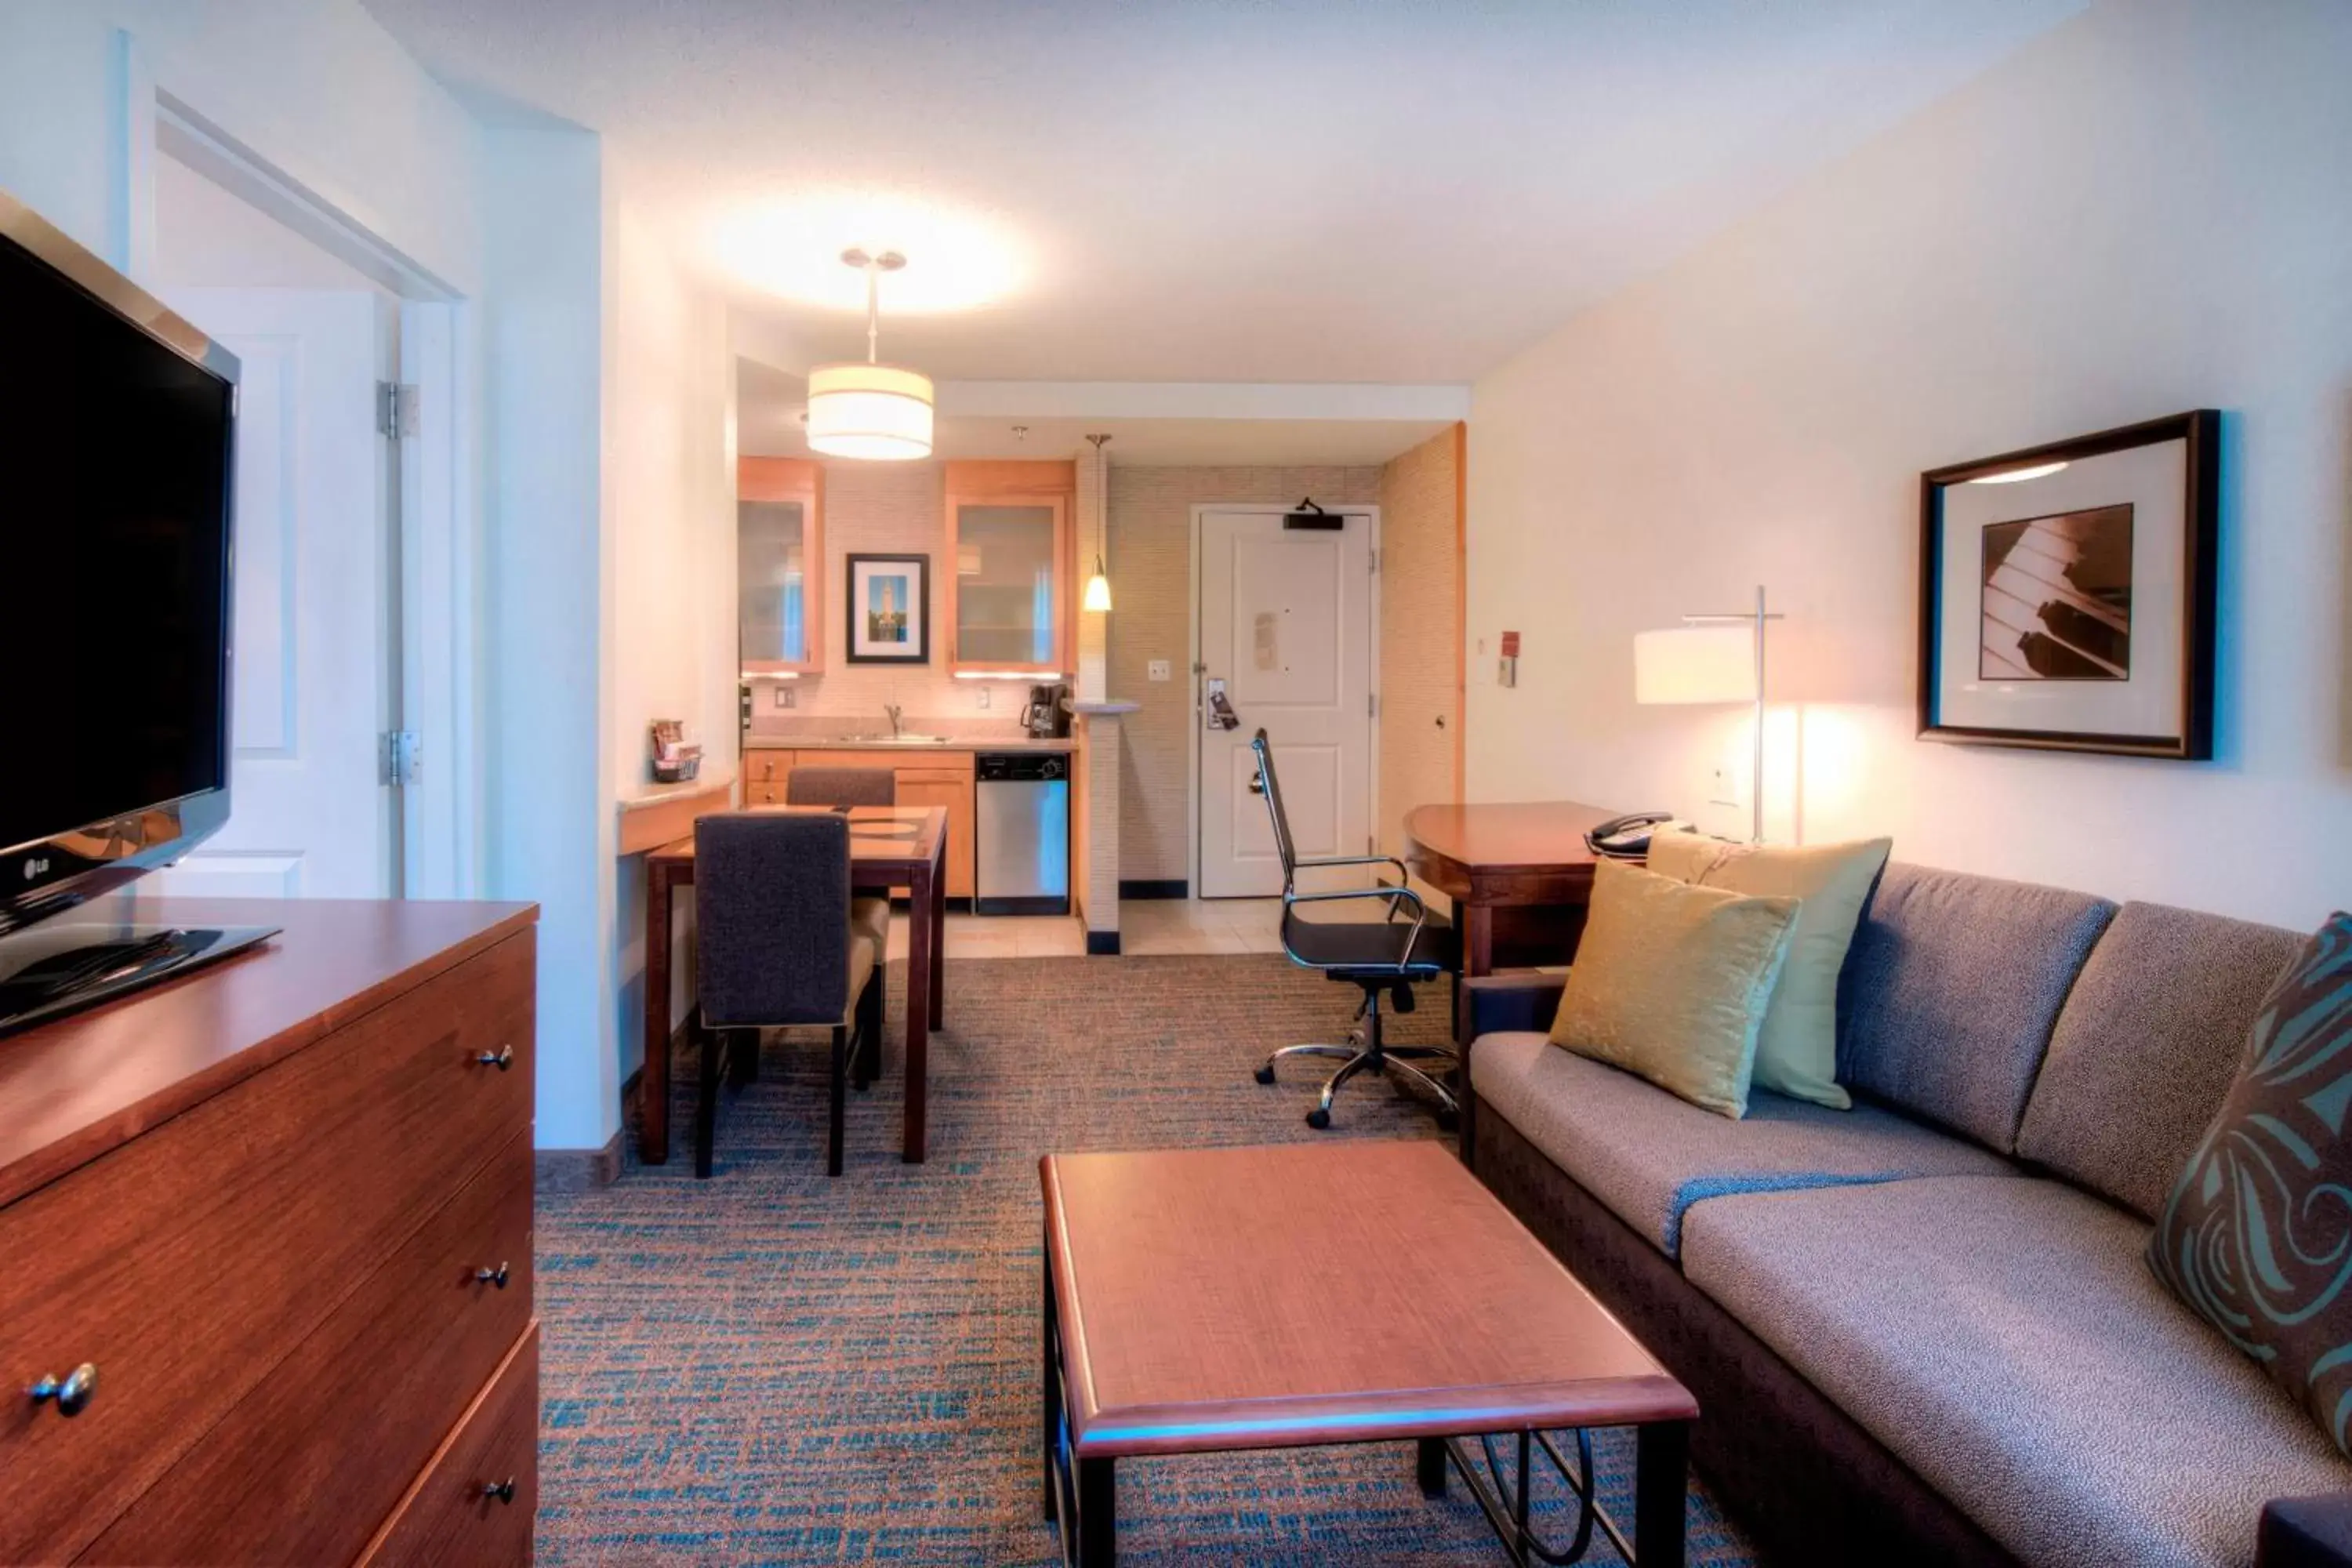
x: 1098, y: 1513
x: 1051, y: 1391
x: 1428, y: 1467
x: 1660, y: 1486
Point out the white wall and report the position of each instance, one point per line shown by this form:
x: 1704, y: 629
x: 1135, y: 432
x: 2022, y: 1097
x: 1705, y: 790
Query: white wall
x: 670, y: 473
x: 548, y: 605
x: 2145, y: 211
x: 315, y: 87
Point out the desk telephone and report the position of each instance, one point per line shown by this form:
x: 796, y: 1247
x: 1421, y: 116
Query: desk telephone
x: 1627, y: 837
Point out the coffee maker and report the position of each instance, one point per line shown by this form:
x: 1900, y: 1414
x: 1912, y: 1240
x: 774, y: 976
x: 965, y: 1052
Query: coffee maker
x: 1048, y: 716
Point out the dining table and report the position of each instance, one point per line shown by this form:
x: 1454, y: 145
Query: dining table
x: 1519, y: 875
x: 890, y: 848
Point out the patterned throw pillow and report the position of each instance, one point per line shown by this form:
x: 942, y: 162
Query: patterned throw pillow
x: 2257, y: 1237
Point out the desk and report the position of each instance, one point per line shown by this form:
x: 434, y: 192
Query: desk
x: 1519, y: 876
x: 889, y: 847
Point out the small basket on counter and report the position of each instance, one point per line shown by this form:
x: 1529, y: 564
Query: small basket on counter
x: 676, y: 759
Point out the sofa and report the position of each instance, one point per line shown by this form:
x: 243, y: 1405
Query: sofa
x: 1924, y: 1331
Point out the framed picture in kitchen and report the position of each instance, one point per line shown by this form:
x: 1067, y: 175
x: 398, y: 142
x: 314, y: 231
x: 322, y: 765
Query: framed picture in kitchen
x: 2067, y: 593
x: 889, y: 606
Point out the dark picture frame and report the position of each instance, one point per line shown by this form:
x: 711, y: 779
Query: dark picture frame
x: 869, y: 633
x: 2129, y: 624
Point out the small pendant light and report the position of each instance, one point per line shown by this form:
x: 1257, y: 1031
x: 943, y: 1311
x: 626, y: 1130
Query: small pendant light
x: 1096, y: 600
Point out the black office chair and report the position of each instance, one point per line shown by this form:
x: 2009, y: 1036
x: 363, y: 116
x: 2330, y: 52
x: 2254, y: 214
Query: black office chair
x: 775, y: 946
x: 1385, y: 958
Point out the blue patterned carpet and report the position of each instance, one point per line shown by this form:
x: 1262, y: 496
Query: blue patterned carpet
x: 771, y: 1367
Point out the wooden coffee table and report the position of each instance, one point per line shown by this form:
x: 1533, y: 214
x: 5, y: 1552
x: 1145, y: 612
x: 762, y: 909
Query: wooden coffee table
x: 1205, y: 1299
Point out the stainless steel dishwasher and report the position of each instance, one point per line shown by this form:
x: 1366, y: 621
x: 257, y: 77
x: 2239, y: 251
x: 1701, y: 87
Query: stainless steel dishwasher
x: 1022, y: 833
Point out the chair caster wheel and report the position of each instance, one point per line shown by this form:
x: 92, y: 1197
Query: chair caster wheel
x: 1318, y: 1119
x: 1264, y: 1074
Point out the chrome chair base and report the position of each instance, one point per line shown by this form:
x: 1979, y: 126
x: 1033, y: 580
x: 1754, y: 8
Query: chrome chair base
x: 1365, y: 1052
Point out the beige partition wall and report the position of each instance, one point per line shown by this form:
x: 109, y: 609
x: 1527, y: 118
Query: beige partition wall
x: 1422, y: 650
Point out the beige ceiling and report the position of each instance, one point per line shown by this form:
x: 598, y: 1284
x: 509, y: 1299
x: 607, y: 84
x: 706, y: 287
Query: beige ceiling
x: 1396, y: 191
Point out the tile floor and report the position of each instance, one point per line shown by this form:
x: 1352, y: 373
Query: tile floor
x: 1146, y: 926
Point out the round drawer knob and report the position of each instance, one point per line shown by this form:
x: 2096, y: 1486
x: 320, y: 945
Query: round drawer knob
x: 502, y: 1490
x: 502, y: 1059
x: 72, y: 1393
x: 496, y: 1277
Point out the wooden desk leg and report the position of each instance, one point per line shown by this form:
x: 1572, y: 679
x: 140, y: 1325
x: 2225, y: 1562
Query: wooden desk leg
x: 653, y: 1082
x: 923, y: 935
x: 940, y: 937
x: 1660, y: 1486
x: 1477, y: 958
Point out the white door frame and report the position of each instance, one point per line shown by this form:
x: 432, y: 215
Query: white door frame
x: 1372, y: 514
x: 437, y: 526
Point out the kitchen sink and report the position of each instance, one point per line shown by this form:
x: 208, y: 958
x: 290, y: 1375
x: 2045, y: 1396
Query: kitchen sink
x: 893, y: 740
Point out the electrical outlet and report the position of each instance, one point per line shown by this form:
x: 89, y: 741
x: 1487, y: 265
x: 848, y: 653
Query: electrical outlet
x: 1158, y: 669
x: 982, y: 695
x: 784, y: 695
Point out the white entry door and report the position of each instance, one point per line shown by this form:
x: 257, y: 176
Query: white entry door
x: 1285, y: 634
x: 309, y: 816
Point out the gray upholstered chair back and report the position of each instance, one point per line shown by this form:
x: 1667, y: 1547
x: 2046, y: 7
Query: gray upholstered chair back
x: 771, y: 919
x: 841, y: 786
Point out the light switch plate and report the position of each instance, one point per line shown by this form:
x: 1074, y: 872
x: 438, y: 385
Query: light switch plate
x: 981, y: 695
x: 783, y: 695
x: 1158, y: 669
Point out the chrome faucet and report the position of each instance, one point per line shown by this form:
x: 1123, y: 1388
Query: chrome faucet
x: 892, y: 709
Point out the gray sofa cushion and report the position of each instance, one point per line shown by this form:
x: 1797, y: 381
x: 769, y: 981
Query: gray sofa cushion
x: 2145, y: 1048
x: 1650, y: 1156
x: 1950, y: 991
x: 2005, y: 1339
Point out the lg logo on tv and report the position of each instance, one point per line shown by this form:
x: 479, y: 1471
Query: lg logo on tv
x: 35, y: 869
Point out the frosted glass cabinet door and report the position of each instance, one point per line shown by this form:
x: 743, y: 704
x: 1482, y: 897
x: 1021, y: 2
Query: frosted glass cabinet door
x: 1008, y: 586
x: 773, y: 575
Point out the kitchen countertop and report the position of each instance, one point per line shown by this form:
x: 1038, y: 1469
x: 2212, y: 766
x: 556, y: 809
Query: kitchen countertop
x: 954, y: 743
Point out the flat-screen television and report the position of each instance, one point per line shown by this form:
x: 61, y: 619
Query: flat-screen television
x: 117, y: 421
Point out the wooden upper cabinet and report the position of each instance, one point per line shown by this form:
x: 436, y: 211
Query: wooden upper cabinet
x: 780, y: 565
x: 1013, y: 601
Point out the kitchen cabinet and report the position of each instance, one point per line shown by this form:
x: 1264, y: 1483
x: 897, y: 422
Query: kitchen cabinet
x: 779, y: 565
x: 941, y: 778
x: 1010, y: 605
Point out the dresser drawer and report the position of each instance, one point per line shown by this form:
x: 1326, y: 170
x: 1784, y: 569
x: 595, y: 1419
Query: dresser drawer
x: 410, y: 1349
x: 765, y: 765
x: 190, y: 1262
x: 475, y: 1504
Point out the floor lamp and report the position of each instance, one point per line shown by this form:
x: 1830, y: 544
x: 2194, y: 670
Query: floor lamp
x: 1710, y: 658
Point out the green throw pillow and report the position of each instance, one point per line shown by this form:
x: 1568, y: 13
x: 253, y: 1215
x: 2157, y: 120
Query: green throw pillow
x: 1796, y: 1052
x: 2257, y: 1237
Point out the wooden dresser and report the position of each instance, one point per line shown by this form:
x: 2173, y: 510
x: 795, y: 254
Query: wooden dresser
x: 278, y: 1216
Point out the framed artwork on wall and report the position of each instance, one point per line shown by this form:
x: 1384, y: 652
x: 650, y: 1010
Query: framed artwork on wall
x: 2067, y: 593
x: 889, y: 607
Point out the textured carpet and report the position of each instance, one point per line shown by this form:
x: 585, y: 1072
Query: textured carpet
x: 772, y: 1367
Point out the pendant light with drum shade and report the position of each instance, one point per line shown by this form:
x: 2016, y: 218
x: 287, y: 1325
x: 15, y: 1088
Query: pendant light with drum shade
x: 876, y: 411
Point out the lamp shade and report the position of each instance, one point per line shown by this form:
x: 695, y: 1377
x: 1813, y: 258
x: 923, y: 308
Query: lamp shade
x: 874, y: 411
x: 1695, y: 664
x: 1098, y: 599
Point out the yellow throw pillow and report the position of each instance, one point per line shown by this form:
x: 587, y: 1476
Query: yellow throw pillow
x: 1671, y: 981
x: 1796, y: 1054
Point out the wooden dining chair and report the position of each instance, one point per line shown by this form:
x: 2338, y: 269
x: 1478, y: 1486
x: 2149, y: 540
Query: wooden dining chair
x: 850, y: 786
x: 775, y: 946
